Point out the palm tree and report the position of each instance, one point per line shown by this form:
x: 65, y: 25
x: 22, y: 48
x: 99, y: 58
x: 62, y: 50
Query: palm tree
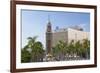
x: 64, y: 49
x: 56, y: 52
x: 71, y: 48
x: 86, y: 47
x: 60, y: 50
x: 78, y: 49
x: 25, y: 55
x: 34, y: 49
x: 31, y: 41
x: 38, y: 52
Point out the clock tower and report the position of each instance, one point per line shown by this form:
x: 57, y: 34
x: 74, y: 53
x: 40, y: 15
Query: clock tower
x: 49, y: 38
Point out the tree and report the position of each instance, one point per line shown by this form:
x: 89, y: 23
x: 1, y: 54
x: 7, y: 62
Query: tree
x: 37, y: 52
x: 56, y: 52
x: 25, y: 55
x: 33, y: 51
x: 86, y: 48
x: 60, y: 50
x: 37, y: 49
x: 31, y: 41
x: 77, y: 47
x: 71, y: 48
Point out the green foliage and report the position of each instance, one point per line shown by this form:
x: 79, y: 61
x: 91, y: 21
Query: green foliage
x: 25, y: 56
x: 73, y: 48
x: 86, y: 48
x: 61, y: 51
x: 36, y: 51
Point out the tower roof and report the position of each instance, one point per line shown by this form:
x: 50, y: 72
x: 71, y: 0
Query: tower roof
x: 49, y: 22
x: 49, y: 25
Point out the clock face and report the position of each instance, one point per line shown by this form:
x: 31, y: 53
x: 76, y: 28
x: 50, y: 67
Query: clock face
x: 49, y: 28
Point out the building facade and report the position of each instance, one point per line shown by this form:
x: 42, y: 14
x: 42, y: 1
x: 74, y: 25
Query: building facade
x: 65, y: 35
x: 69, y: 34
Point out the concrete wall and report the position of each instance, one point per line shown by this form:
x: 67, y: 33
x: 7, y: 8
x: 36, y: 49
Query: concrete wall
x: 69, y: 35
x: 77, y: 35
x: 57, y: 36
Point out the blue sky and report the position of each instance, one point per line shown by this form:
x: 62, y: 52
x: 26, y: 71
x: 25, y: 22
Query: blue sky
x: 34, y: 22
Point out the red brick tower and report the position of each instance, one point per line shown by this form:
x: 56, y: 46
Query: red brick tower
x: 49, y: 38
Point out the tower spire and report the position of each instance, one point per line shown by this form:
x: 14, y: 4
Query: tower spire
x: 49, y: 29
x: 48, y: 18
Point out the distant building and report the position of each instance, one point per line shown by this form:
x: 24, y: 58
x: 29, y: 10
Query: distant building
x: 64, y: 34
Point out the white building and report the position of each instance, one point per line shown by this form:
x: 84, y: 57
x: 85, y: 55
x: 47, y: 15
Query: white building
x: 69, y: 34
